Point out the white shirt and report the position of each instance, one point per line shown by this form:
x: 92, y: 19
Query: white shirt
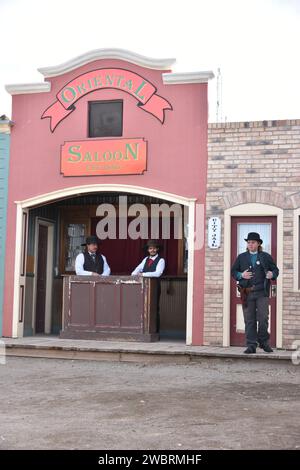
x: 80, y: 270
x: 160, y: 267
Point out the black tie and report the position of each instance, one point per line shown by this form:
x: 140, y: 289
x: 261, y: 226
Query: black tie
x: 93, y: 255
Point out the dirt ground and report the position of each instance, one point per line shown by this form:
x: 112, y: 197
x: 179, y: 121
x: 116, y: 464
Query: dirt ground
x: 215, y: 404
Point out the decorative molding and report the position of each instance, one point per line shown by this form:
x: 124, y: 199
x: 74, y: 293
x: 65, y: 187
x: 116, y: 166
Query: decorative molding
x: 296, y: 249
x: 257, y: 196
x: 118, y: 54
x: 186, y: 77
x: 191, y: 266
x: 62, y: 193
x: 25, y: 88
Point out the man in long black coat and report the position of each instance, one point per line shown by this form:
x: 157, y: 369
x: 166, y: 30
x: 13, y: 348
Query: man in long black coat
x: 253, y: 271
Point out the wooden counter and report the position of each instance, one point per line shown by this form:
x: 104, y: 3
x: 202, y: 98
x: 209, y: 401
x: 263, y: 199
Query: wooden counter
x: 108, y: 307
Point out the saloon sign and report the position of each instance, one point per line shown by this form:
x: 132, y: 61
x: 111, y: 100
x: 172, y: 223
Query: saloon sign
x: 120, y: 79
x: 104, y: 157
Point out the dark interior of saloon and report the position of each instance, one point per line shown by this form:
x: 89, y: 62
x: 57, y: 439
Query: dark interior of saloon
x: 56, y: 233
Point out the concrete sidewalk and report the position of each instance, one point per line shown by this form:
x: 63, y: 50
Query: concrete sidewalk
x: 162, y: 351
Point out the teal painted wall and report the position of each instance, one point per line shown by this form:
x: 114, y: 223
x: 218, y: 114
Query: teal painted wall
x: 4, y: 167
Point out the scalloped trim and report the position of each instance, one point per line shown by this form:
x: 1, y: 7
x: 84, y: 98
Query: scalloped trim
x: 119, y: 54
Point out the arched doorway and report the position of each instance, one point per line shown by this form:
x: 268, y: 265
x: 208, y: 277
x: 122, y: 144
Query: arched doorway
x: 44, y: 209
x: 256, y: 211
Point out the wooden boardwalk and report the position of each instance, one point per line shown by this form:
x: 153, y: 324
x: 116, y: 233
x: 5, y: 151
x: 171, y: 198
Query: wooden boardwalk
x: 161, y: 351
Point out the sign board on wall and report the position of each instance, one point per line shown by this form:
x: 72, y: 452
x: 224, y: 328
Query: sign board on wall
x: 214, y: 232
x: 104, y: 157
x: 119, y: 79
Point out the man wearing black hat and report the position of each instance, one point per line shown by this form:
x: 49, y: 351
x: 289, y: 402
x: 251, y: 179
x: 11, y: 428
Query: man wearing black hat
x: 153, y: 265
x: 253, y: 270
x: 90, y: 263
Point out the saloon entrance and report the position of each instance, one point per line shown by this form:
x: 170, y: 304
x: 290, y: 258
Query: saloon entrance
x: 56, y: 232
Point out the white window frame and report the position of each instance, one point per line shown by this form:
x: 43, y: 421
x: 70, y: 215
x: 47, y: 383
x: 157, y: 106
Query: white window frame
x: 296, y: 242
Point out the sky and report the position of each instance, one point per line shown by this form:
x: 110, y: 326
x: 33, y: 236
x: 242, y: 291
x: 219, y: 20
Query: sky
x: 254, y: 43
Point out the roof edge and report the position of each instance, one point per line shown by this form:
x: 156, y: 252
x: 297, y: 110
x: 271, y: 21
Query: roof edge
x: 25, y: 88
x: 180, y: 78
x: 111, y: 53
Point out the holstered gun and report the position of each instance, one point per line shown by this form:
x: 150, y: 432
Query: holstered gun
x: 244, y: 291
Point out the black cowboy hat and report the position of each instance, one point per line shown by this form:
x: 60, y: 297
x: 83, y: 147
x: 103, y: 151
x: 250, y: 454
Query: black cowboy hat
x: 155, y: 243
x: 253, y: 236
x: 91, y: 239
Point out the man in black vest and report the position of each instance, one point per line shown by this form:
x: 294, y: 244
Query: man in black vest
x: 90, y: 263
x: 253, y: 270
x: 152, y: 266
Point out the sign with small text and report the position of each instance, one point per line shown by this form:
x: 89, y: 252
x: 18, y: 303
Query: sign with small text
x: 214, y: 232
x: 104, y: 157
x: 119, y: 79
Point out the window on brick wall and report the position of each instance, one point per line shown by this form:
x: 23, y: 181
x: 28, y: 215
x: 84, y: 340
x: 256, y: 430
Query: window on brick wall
x: 105, y: 118
x: 296, y: 251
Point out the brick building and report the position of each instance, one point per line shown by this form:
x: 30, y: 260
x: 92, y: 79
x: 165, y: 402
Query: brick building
x: 253, y: 185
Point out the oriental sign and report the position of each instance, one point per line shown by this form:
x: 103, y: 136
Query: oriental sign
x: 104, y: 157
x: 100, y: 79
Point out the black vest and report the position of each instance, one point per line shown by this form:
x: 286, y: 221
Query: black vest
x: 89, y: 264
x: 258, y: 281
x: 259, y: 275
x: 152, y: 268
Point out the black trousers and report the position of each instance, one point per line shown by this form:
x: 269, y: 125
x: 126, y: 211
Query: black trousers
x: 256, y: 317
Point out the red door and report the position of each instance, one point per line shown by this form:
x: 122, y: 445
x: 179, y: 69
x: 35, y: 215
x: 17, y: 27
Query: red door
x: 240, y: 227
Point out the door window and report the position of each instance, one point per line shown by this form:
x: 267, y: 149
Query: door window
x: 74, y: 238
x: 264, y: 231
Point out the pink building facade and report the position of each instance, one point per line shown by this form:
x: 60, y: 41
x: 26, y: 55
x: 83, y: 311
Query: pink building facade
x: 166, y: 112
